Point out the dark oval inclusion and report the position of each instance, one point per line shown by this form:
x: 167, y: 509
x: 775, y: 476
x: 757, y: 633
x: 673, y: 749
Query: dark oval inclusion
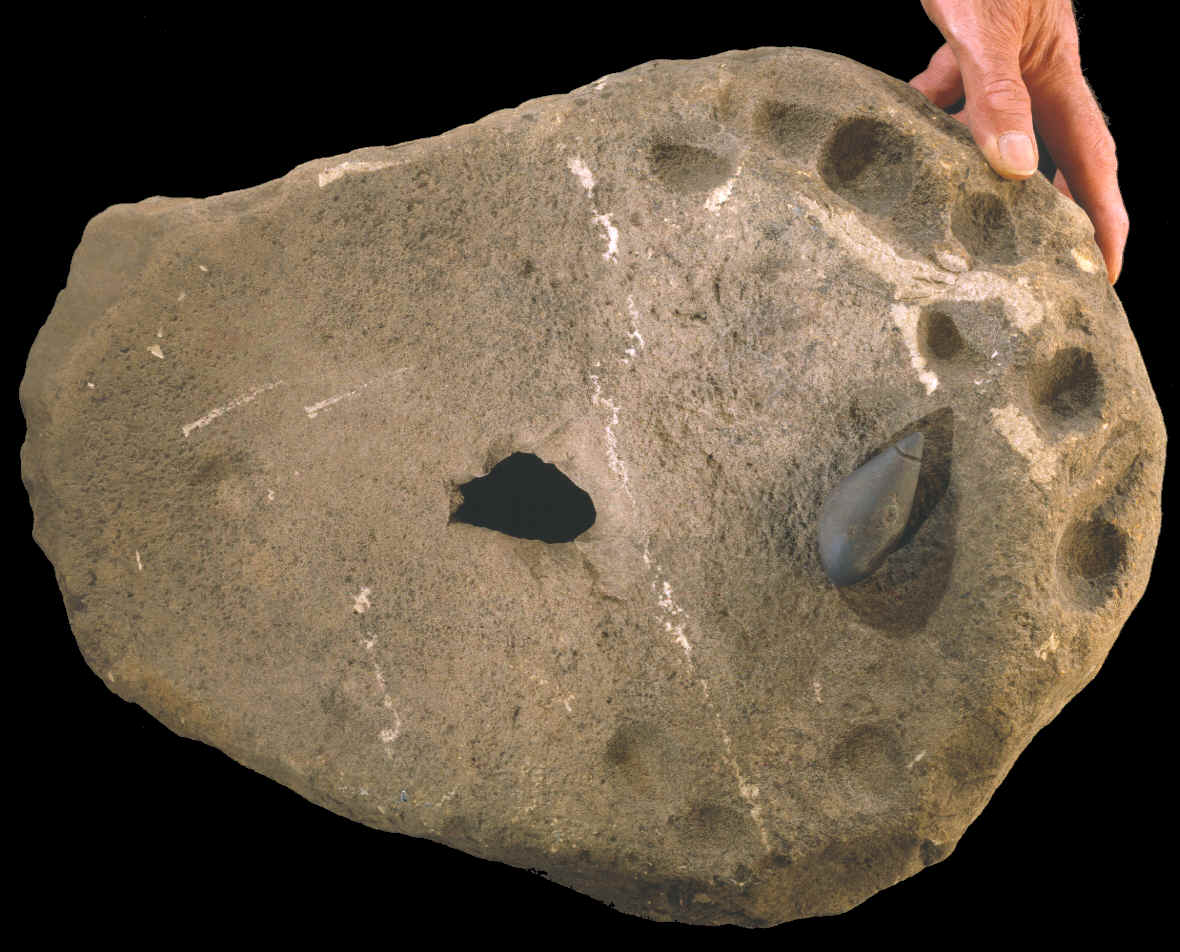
x: 862, y: 519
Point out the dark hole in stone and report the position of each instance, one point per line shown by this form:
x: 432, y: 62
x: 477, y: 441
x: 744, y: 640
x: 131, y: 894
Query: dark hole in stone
x: 940, y: 335
x: 687, y: 168
x: 1091, y: 556
x: 526, y: 498
x: 870, y: 163
x: 984, y: 226
x: 1069, y: 385
x: 1096, y: 548
x: 931, y: 852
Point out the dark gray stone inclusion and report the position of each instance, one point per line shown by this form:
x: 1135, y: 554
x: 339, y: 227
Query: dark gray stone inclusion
x: 862, y: 519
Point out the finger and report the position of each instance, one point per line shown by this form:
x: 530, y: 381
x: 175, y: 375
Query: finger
x: 1075, y: 132
x: 1062, y: 186
x: 999, y: 108
x: 940, y: 82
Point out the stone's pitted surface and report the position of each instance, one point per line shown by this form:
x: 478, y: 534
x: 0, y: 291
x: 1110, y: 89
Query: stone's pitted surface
x: 705, y: 292
x: 862, y: 521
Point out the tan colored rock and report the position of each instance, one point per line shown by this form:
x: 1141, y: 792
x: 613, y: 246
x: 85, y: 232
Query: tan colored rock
x: 699, y: 294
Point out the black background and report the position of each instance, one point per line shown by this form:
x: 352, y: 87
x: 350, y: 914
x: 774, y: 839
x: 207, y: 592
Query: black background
x: 126, y: 819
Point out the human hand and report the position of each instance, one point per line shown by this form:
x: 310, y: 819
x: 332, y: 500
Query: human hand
x: 1016, y: 60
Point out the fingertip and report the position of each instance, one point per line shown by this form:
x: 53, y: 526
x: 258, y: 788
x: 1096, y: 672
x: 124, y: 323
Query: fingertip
x: 1012, y: 176
x: 1111, y: 229
x: 1113, y: 256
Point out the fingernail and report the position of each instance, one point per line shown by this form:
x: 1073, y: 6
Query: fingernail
x: 1017, y: 153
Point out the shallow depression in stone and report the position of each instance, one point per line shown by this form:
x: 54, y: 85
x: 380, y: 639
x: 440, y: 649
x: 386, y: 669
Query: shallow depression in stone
x: 1091, y: 557
x: 870, y: 163
x: 1067, y: 391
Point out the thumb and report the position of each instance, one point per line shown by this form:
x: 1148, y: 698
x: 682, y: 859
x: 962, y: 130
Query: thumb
x: 999, y: 110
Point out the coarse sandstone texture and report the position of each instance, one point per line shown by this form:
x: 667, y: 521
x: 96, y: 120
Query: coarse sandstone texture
x: 704, y: 291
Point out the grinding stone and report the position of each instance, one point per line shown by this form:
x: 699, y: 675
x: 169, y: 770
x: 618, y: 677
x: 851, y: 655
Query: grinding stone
x: 704, y: 292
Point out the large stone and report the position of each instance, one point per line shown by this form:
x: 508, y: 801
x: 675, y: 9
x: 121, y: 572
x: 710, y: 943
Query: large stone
x: 280, y: 440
